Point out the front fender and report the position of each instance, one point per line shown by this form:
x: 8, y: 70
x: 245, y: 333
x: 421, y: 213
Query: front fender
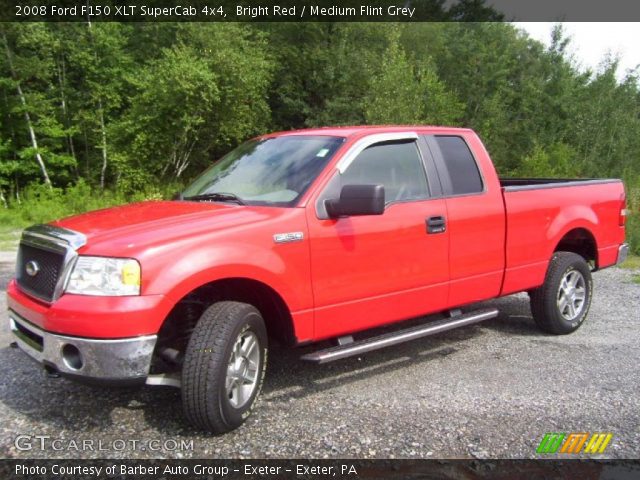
x: 284, y: 268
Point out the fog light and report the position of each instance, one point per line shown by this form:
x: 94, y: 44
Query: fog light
x: 72, y: 357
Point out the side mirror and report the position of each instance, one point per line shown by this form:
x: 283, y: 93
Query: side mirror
x: 357, y: 200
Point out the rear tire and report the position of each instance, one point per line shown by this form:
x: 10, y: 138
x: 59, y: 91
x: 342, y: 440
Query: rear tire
x: 562, y: 303
x: 224, y: 366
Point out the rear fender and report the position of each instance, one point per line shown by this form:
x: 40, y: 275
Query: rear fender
x: 568, y: 219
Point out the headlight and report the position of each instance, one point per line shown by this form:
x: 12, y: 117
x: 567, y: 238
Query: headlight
x: 105, y: 276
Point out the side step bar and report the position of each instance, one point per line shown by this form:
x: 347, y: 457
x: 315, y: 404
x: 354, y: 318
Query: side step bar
x: 394, y: 338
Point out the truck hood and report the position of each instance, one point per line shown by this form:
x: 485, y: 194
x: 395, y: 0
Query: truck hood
x: 114, y: 231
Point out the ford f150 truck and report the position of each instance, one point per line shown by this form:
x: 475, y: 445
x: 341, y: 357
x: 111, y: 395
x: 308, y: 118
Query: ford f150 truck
x: 302, y: 236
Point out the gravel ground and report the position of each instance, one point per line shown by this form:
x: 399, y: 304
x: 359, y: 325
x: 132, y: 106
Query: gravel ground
x: 486, y: 391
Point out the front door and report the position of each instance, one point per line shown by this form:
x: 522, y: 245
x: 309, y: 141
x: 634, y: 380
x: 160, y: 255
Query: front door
x: 371, y: 270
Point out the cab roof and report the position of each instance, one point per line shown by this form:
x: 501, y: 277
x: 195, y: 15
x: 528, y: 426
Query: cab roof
x: 362, y: 130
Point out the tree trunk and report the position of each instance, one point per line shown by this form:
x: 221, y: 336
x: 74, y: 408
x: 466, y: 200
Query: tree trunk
x: 27, y: 117
x: 87, y: 169
x: 103, y: 129
x: 103, y: 170
x: 61, y: 70
x: 17, y: 192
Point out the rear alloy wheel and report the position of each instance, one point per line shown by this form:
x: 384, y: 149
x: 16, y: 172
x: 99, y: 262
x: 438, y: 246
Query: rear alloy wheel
x: 571, y: 295
x: 224, y: 366
x: 561, y: 304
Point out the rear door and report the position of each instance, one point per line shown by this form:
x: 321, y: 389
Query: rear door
x: 476, y: 218
x: 371, y: 270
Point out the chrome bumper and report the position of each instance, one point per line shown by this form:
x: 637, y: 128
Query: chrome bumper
x: 126, y: 359
x: 623, y: 253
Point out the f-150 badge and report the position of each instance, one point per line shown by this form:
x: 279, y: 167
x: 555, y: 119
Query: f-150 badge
x: 288, y: 237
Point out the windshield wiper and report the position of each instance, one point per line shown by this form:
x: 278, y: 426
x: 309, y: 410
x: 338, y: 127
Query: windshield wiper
x: 218, y: 196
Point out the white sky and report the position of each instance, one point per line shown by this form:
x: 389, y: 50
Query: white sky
x: 591, y: 41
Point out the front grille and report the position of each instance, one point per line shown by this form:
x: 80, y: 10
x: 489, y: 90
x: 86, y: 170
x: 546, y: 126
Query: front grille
x: 49, y: 267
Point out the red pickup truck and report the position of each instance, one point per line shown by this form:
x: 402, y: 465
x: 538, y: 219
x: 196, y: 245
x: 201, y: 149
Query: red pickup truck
x: 303, y: 236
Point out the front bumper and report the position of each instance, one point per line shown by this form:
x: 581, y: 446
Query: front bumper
x: 125, y: 360
x: 92, y: 316
x: 623, y: 253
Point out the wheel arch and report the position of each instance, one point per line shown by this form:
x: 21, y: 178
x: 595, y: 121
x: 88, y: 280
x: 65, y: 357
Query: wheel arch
x: 581, y: 241
x: 178, y: 324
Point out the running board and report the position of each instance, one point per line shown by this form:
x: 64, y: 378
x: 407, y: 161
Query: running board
x: 394, y: 338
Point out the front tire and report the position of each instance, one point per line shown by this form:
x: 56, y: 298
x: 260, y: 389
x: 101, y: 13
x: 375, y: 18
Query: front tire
x: 562, y: 303
x: 224, y: 366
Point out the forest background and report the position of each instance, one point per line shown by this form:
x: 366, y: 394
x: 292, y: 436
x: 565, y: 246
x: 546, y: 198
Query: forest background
x: 98, y: 114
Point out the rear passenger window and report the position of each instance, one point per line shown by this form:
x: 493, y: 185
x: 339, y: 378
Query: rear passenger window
x: 397, y: 166
x: 462, y: 168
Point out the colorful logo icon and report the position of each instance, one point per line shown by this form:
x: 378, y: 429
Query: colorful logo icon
x: 575, y: 442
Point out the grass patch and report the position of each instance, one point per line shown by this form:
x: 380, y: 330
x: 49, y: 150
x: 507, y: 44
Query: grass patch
x: 9, y: 238
x: 632, y: 263
x: 636, y: 279
x: 40, y: 204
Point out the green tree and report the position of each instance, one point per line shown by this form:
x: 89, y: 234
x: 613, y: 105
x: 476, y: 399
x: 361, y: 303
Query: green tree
x: 201, y: 96
x: 409, y: 93
x: 25, y: 102
x: 103, y: 67
x: 556, y: 160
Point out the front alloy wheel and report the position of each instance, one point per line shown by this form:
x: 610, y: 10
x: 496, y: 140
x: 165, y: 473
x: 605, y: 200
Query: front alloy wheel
x: 243, y: 370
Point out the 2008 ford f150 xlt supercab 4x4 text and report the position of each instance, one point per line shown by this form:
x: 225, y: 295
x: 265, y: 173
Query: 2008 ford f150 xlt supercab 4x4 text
x: 304, y: 236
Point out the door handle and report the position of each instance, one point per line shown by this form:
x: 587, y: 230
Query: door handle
x: 436, y: 224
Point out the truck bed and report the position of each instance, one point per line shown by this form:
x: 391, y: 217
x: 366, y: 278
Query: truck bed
x: 541, y: 211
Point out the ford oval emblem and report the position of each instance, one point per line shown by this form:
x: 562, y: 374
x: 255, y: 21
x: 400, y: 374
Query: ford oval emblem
x: 32, y: 268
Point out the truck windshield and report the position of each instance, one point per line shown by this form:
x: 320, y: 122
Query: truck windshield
x: 270, y: 171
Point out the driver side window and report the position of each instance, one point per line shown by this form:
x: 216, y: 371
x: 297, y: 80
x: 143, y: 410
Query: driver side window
x: 396, y: 165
